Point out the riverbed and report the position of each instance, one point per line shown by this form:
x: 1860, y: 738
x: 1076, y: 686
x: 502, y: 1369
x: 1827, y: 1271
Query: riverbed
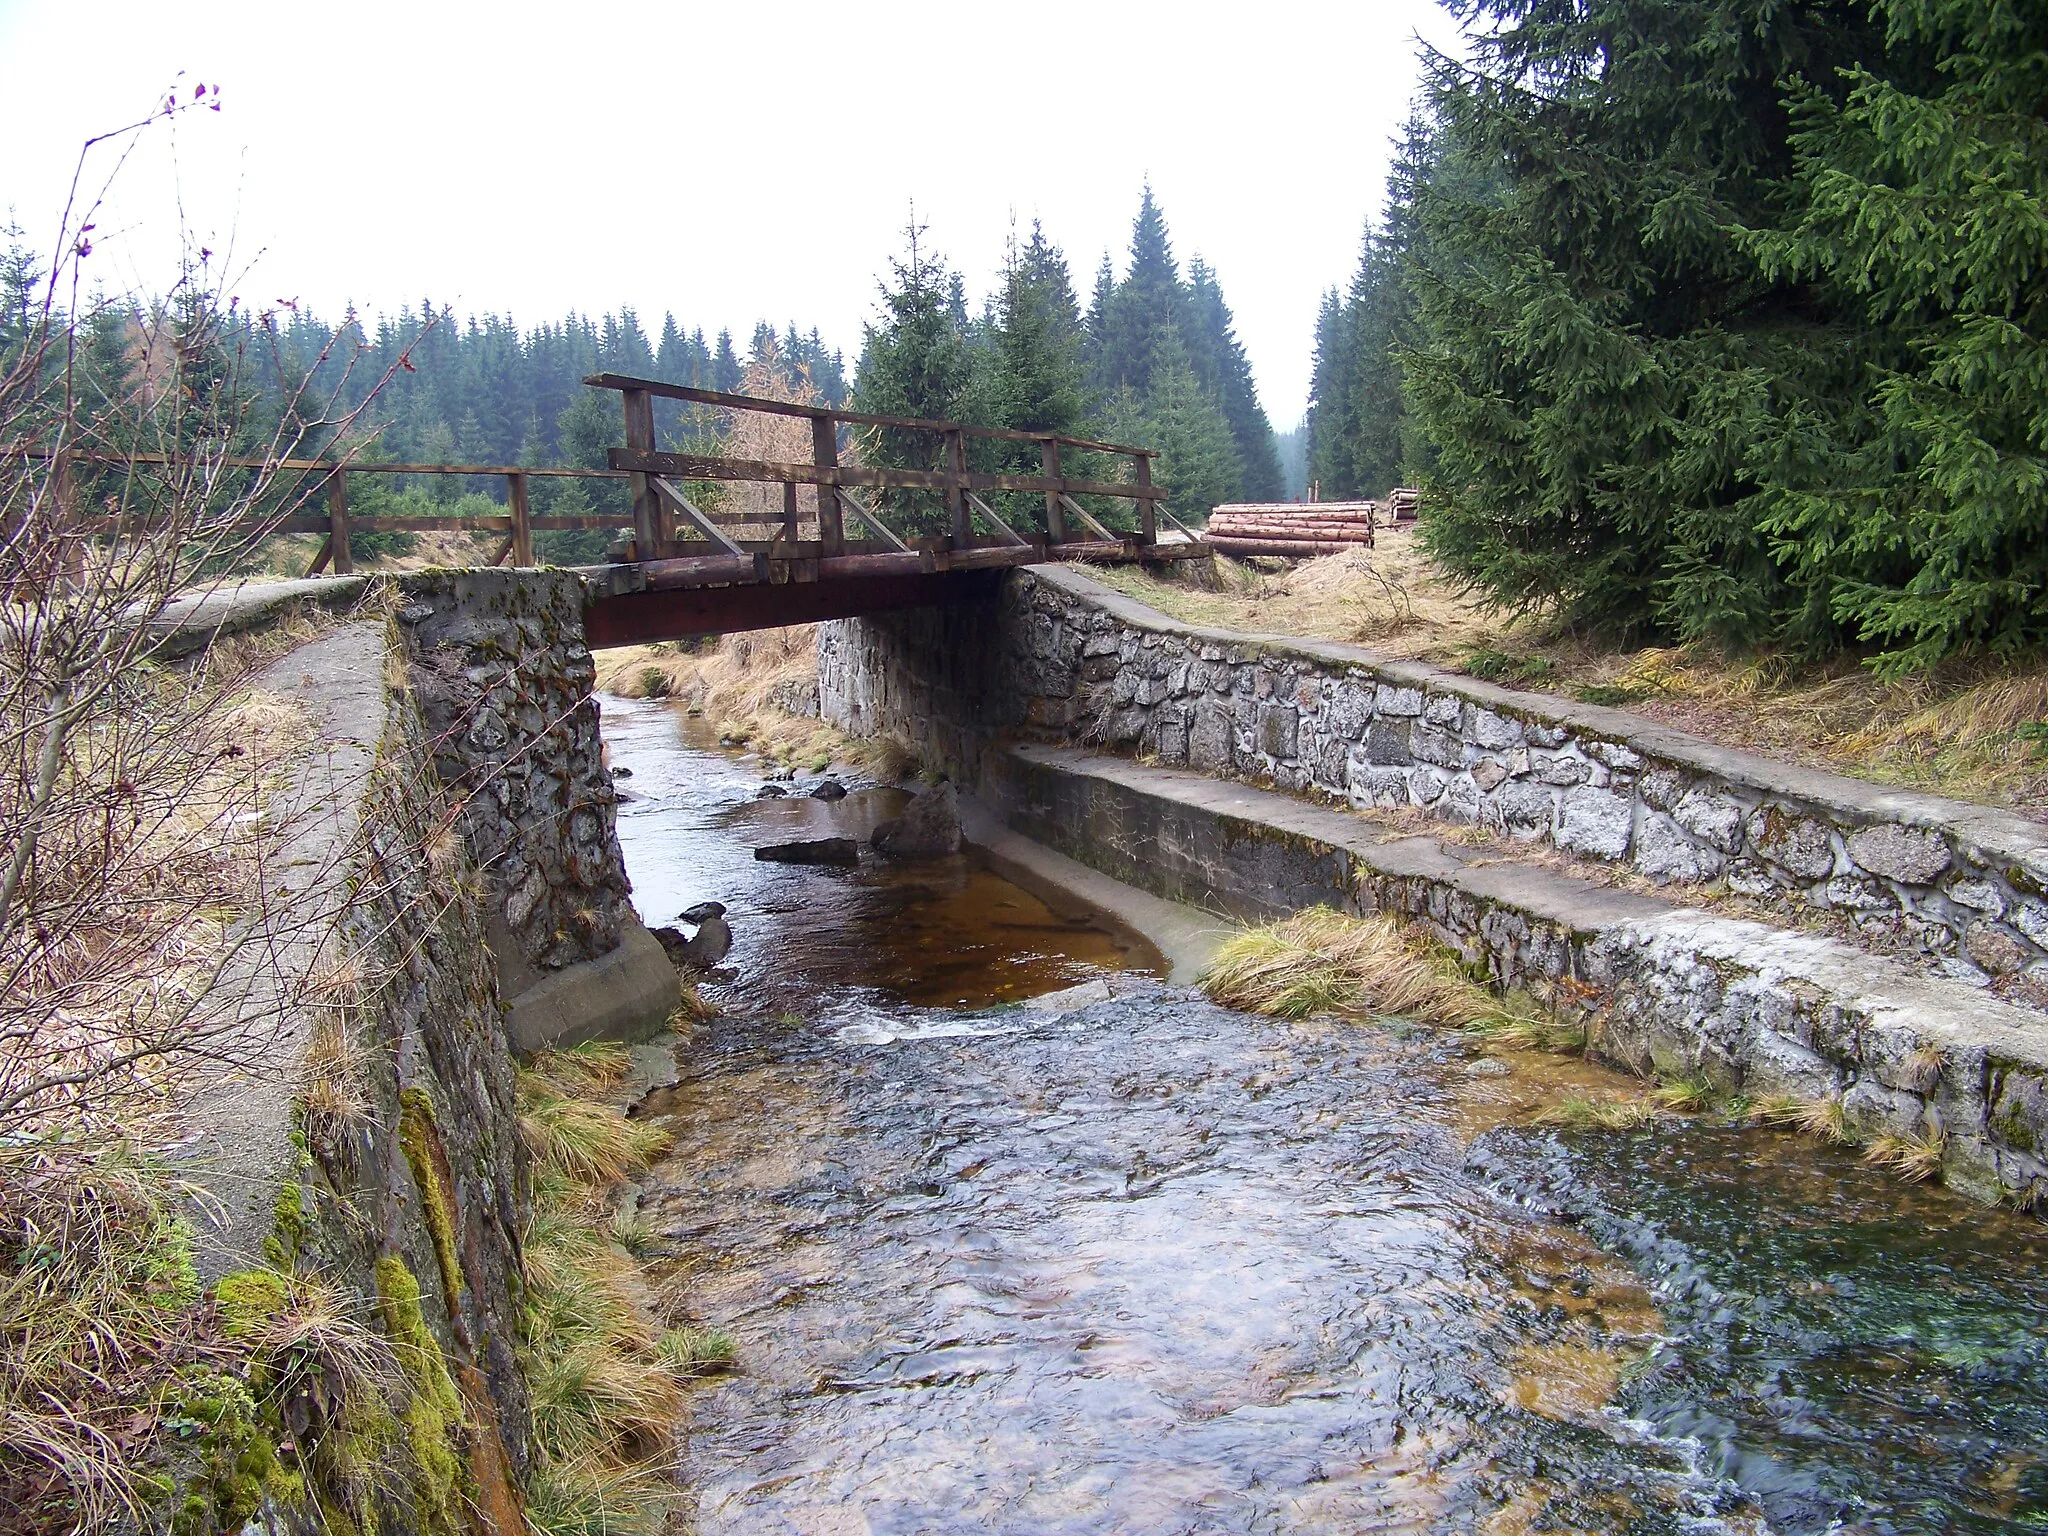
x: 1013, y: 1236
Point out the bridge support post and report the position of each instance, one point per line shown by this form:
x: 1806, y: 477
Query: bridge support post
x: 639, y: 408
x: 337, y: 523
x: 1055, y: 514
x: 825, y: 454
x: 522, y: 520
x: 956, y: 491
x: 1148, y: 509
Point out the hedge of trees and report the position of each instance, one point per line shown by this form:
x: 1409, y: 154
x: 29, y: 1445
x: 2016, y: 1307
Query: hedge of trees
x: 1719, y: 320
x: 1154, y: 361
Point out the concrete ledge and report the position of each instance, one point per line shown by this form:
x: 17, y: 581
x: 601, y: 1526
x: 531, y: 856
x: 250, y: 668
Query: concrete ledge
x: 626, y: 994
x: 1186, y: 936
x: 240, y: 1126
x: 193, y: 622
x: 1663, y: 988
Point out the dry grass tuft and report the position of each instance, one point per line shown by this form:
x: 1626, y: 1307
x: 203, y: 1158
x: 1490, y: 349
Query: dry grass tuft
x: 336, y: 1096
x: 1321, y: 961
x: 593, y: 1496
x: 606, y: 1378
x: 1519, y: 1022
x: 96, y: 1296
x: 1915, y: 1158
x: 587, y: 1142
x: 1684, y: 1095
x: 589, y: 1068
x: 1822, y: 1119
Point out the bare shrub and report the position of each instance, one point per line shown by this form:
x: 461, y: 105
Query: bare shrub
x: 135, y: 836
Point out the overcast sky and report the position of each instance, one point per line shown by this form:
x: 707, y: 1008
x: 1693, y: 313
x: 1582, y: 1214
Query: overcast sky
x: 726, y: 163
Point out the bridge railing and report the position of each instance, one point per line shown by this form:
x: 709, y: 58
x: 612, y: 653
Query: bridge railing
x: 664, y: 516
x: 697, y: 547
x: 324, y: 483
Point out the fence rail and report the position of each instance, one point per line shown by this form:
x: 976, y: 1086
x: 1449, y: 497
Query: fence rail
x: 655, y: 526
x: 681, y: 545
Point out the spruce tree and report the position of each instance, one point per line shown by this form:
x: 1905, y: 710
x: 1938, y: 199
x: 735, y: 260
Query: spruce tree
x: 1329, y: 407
x: 1919, y: 515
x: 725, y: 365
x: 1095, y: 360
x: 1197, y: 461
x: 1599, y: 351
x: 1034, y: 376
x: 1147, y: 304
x: 1227, y: 375
x: 916, y: 363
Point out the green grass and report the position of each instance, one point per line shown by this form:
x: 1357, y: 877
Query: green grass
x: 1507, y: 667
x: 605, y: 1377
x: 1583, y: 1114
x: 1684, y: 1095
x: 696, y: 1351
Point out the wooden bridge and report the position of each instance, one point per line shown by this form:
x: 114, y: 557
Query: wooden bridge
x: 818, y: 546
x: 827, y: 552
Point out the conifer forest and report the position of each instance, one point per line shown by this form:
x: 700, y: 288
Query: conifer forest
x: 1719, y: 320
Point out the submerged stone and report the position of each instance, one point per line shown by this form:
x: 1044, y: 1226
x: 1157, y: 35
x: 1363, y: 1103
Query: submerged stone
x: 928, y: 829
x: 815, y: 850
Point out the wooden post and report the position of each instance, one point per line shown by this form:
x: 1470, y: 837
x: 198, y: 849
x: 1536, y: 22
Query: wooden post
x: 825, y: 454
x: 71, y: 538
x: 1055, y: 514
x: 522, y: 520
x: 1148, y: 514
x: 337, y: 521
x: 789, y: 511
x: 647, y: 517
x: 957, y: 513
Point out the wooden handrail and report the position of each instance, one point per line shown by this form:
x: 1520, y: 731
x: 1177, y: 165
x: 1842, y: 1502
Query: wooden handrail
x: 700, y: 466
x: 351, y: 466
x: 853, y: 418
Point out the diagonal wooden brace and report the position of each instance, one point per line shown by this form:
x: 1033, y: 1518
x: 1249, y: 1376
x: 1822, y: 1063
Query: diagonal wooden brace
x: 873, y: 522
x: 1087, y: 517
x: 989, y: 513
x: 697, y: 520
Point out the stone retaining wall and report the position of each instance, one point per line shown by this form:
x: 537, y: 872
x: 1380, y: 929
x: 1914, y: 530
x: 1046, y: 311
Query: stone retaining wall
x: 1662, y: 989
x: 1064, y: 657
x: 369, y: 1135
x: 504, y: 683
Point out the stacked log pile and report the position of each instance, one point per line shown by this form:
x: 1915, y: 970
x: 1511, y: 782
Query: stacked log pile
x: 1295, y: 530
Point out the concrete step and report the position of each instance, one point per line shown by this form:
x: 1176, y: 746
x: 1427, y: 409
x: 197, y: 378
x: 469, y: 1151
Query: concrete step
x: 1664, y: 988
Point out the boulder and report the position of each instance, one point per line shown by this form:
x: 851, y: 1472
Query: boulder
x: 816, y: 850
x: 928, y: 829
x: 828, y: 789
x: 702, y: 910
x: 711, y: 943
x: 770, y: 792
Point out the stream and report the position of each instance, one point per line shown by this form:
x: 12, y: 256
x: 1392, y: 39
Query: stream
x: 1013, y: 1236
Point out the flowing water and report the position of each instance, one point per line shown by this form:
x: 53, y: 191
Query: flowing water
x: 1012, y: 1236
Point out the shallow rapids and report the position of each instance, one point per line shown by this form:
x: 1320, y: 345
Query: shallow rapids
x: 1012, y: 1236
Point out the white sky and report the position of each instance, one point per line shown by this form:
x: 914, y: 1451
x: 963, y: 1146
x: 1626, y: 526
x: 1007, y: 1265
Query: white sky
x: 728, y: 163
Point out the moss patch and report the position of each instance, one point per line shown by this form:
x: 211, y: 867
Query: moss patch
x: 433, y: 1410
x: 217, y: 1420
x: 421, y: 1138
